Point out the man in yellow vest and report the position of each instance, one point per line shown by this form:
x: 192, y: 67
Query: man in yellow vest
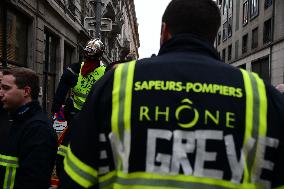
x: 80, y: 78
x: 90, y: 72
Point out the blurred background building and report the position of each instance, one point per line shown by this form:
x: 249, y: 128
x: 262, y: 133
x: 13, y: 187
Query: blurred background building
x: 48, y: 35
x: 251, y: 36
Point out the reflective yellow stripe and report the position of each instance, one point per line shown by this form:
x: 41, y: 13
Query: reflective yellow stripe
x: 128, y: 96
x: 280, y: 187
x: 122, y: 119
x: 122, y: 97
x: 9, y: 158
x: 121, y: 111
x: 256, y: 118
x: 262, y: 112
x: 263, y: 106
x: 80, y: 172
x: 115, y: 100
x: 9, y: 179
x: 9, y: 161
x: 107, y: 180
x: 255, y: 124
x: 249, y: 106
x: 150, y: 180
x: 13, y: 177
x: 248, y: 116
x: 62, y: 150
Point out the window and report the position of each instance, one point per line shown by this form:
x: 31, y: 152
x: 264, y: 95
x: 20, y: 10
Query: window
x: 13, y: 37
x: 237, y: 49
x: 50, y: 61
x: 68, y: 51
x: 267, y: 3
x: 230, y: 52
x: 267, y: 33
x: 225, y: 31
x: 230, y: 27
x: 219, y: 38
x: 261, y: 66
x: 254, y: 40
x: 245, y: 44
x: 225, y: 7
x: 230, y: 3
x: 224, y: 55
x: 60, y: 3
x: 71, y: 6
x: 253, y: 8
x: 245, y: 13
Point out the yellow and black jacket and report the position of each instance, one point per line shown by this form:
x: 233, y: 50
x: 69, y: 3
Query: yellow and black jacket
x: 27, y: 159
x: 84, y: 85
x: 81, y: 86
x: 182, y: 119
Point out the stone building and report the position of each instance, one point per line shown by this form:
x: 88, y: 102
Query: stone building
x: 47, y: 35
x: 251, y: 36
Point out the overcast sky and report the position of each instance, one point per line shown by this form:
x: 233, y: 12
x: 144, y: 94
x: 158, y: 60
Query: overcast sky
x: 149, y: 16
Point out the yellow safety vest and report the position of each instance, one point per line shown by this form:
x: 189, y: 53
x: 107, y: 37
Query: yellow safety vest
x: 84, y: 85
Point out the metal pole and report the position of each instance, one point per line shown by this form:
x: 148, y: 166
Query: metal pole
x: 98, y: 18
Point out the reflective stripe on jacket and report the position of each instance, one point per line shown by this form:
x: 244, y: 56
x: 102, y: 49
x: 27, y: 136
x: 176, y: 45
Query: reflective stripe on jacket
x: 10, y: 163
x: 182, y: 119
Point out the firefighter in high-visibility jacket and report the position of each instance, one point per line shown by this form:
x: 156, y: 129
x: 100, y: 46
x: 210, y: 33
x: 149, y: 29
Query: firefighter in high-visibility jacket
x: 80, y: 77
x: 80, y: 80
x: 182, y: 119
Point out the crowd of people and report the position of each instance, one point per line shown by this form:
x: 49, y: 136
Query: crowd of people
x: 181, y: 119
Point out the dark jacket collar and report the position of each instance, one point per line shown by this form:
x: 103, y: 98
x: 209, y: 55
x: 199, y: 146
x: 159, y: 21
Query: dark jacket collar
x: 188, y: 43
x: 2, y: 110
x: 25, y: 111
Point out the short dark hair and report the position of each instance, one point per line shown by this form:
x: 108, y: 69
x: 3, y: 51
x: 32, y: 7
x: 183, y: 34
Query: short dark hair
x: 198, y: 17
x: 25, y: 77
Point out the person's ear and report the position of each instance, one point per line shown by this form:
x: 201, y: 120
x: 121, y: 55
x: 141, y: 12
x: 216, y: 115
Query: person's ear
x: 27, y: 91
x: 165, y: 34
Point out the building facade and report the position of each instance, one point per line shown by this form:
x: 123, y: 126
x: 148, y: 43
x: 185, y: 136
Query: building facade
x: 48, y: 35
x: 251, y: 36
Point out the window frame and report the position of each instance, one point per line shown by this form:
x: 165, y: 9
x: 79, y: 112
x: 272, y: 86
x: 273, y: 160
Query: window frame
x: 253, y: 13
x: 245, y: 10
x: 264, y: 66
x: 269, y: 38
x: 230, y: 51
x: 225, y: 31
x: 6, y: 36
x: 254, y: 42
x: 230, y: 27
x: 224, y: 55
x: 267, y: 4
x: 245, y: 47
